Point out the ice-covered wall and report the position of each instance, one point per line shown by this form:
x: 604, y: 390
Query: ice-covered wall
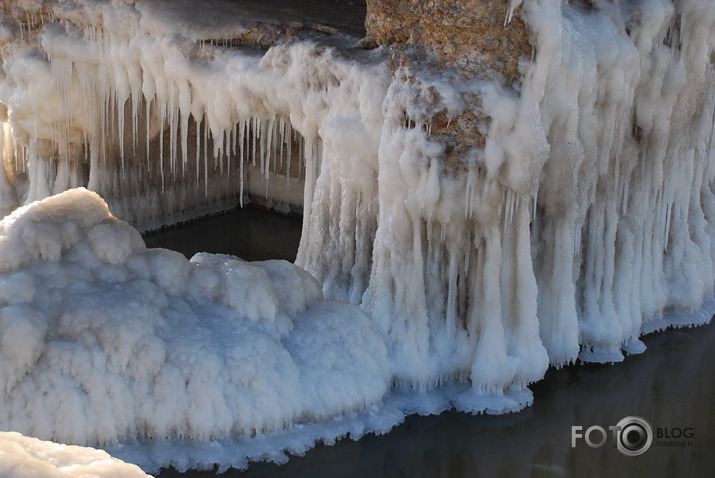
x: 585, y: 215
x: 146, y: 103
x: 490, y: 227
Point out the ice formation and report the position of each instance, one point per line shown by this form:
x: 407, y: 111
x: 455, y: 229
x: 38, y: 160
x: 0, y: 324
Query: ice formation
x: 105, y: 340
x: 162, y: 122
x: 24, y: 457
x: 585, y: 217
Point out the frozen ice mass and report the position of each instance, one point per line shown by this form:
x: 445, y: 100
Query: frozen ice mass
x: 25, y: 457
x: 104, y: 340
x: 423, y: 281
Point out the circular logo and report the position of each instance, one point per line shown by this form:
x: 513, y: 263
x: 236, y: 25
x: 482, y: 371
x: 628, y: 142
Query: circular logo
x: 634, y: 437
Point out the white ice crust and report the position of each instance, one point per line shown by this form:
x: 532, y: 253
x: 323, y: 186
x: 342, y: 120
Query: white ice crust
x: 25, y: 457
x: 103, y: 340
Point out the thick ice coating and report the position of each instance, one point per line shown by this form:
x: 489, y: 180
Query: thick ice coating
x: 102, y: 339
x: 24, y: 457
x: 580, y: 221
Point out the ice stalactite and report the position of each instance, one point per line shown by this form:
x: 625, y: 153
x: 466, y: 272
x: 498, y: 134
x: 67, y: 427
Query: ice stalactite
x: 459, y: 303
x: 166, y: 127
x: 338, y: 236
x: 620, y: 227
x: 8, y: 168
x: 586, y: 212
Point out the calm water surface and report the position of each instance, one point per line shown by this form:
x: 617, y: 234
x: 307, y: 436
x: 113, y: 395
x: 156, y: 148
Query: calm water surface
x: 249, y: 233
x: 672, y: 385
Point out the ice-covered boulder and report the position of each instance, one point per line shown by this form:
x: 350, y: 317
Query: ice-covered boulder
x: 102, y: 339
x: 25, y: 457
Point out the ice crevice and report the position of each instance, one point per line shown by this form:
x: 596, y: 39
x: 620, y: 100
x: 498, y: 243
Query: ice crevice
x: 584, y: 220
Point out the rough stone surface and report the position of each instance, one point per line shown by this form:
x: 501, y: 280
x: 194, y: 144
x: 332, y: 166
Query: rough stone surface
x: 265, y: 23
x: 467, y: 39
x: 470, y: 35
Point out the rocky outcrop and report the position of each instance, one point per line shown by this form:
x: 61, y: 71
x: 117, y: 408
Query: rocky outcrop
x: 480, y: 38
x: 461, y: 39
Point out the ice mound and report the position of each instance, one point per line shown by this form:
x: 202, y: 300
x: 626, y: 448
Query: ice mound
x: 104, y: 340
x: 24, y: 457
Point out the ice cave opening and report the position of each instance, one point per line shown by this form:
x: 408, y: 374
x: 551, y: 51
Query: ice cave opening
x: 472, y: 215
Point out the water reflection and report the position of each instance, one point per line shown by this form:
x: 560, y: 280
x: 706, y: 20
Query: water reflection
x: 671, y: 385
x: 252, y: 234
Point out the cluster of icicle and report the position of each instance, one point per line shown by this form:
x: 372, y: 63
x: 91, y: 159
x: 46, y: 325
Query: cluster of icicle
x: 587, y: 214
x: 167, y: 126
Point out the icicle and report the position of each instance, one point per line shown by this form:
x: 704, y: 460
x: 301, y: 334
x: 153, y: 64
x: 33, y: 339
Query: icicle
x: 281, y: 141
x: 254, y: 137
x: 234, y: 138
x: 309, y: 185
x: 224, y: 151
x: 173, y: 112
x: 148, y: 102
x: 302, y: 154
x: 197, y: 122
x: 242, y: 148
x: 135, y: 120
x: 269, y: 150
x: 242, y: 125
x: 289, y: 150
x: 262, y: 143
x: 184, y: 112
x: 231, y: 150
x: 240, y: 192
x: 206, y: 157
x: 120, y: 129
x: 162, y: 123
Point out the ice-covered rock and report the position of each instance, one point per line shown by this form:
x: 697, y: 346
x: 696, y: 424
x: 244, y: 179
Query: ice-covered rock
x: 102, y: 339
x: 25, y: 457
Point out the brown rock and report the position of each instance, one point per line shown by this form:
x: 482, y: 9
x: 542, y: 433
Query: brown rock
x: 470, y: 35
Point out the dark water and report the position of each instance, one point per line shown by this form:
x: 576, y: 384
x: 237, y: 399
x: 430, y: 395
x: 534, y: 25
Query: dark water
x: 249, y: 233
x: 672, y: 385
